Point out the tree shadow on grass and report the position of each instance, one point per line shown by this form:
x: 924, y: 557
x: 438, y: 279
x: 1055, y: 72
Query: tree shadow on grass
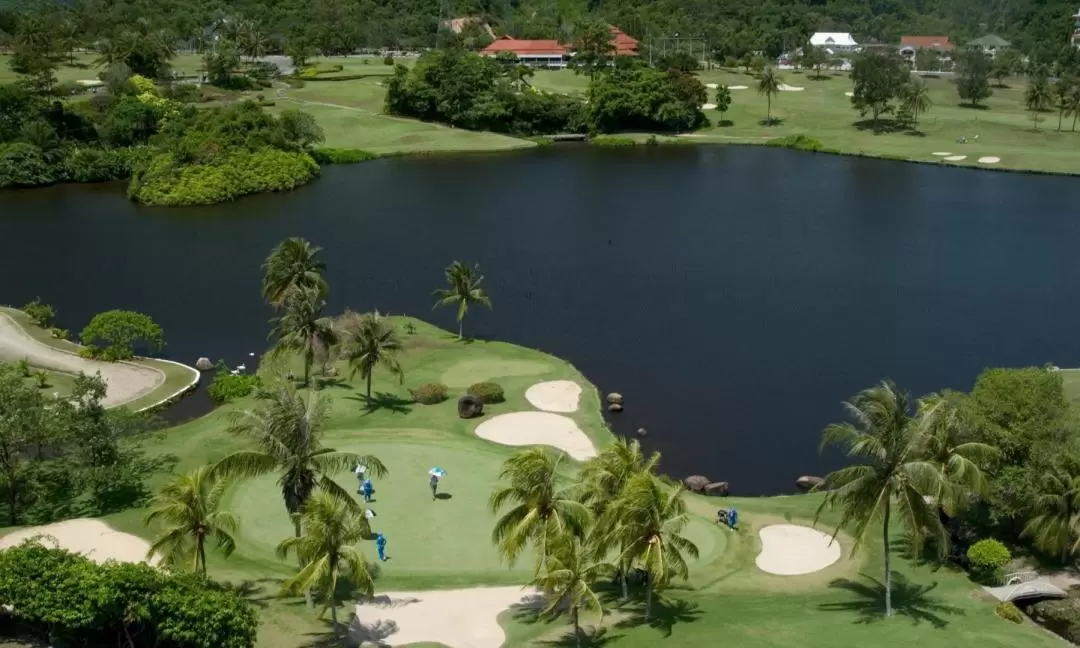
x: 258, y: 591
x: 772, y: 121
x: 881, y: 126
x: 911, y: 600
x: 331, y: 382
x: 724, y: 123
x: 666, y: 613
x: 383, y: 401
x: 591, y: 637
x: 970, y: 107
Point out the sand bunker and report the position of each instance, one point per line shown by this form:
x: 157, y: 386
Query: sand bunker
x: 941, y: 153
x: 790, y: 88
x: 849, y: 94
x: 708, y: 107
x: 538, y: 428
x: 711, y: 86
x: 738, y: 87
x: 92, y: 538
x: 464, y: 618
x: 791, y: 550
x: 989, y: 159
x: 955, y: 158
x: 554, y: 395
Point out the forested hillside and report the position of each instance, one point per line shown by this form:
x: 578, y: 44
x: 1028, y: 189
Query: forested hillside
x: 730, y: 27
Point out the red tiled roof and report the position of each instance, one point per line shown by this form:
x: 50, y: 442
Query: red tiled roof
x: 934, y: 42
x: 624, y: 45
x: 526, y: 47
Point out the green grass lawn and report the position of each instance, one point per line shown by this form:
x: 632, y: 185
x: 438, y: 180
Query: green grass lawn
x: 177, y: 377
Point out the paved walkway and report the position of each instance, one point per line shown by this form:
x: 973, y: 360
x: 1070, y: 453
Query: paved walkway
x: 126, y: 381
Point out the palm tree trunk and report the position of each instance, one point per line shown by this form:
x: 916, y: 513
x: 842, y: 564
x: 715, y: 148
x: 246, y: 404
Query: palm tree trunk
x: 768, y: 109
x: 648, y: 594
x: 577, y: 628
x: 1061, y: 114
x: 625, y: 593
x: 888, y: 562
x: 201, y: 555
x: 308, y: 360
x: 333, y: 612
x: 370, y: 371
x: 1075, y: 115
x: 460, y: 328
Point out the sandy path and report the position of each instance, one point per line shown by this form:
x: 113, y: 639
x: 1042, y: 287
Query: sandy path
x: 538, y: 428
x: 92, y: 538
x: 125, y: 381
x: 554, y: 395
x: 792, y: 550
x: 464, y: 618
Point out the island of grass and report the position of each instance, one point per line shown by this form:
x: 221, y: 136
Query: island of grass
x: 138, y: 384
x: 444, y: 544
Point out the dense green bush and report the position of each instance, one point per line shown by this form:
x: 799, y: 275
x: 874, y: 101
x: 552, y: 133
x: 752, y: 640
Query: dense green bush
x: 987, y: 559
x: 633, y: 97
x: 430, y: 393
x: 69, y: 599
x: 24, y: 165
x: 798, y: 142
x: 488, y: 392
x: 1007, y: 610
x: 329, y: 69
x: 612, y: 141
x: 388, y: 59
x: 227, y: 387
x: 121, y: 332
x: 1061, y: 617
x: 342, y: 156
x: 41, y: 313
x: 165, y: 182
x: 98, y: 165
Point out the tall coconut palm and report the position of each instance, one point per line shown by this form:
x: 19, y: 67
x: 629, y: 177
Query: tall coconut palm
x: 286, y: 427
x: 294, y: 262
x: 891, y: 473
x: 463, y: 289
x: 1073, y: 105
x: 371, y: 342
x: 1056, y: 527
x: 301, y: 327
x: 570, y: 571
x: 645, y: 527
x: 915, y: 99
x: 1037, y: 98
x: 1060, y: 92
x: 542, y: 510
x: 603, y: 480
x: 769, y: 82
x: 948, y: 445
x: 189, y: 508
x: 327, y: 552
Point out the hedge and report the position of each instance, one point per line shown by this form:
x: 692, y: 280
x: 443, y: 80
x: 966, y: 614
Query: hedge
x: 610, y: 141
x: 797, y: 142
x: 1007, y: 610
x: 430, y: 393
x: 164, y: 182
x: 342, y: 156
x: 488, y: 392
x: 227, y: 387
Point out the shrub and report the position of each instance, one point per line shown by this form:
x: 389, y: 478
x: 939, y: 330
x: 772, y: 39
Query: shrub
x: 294, y: 82
x: 329, y: 69
x: 59, y: 333
x: 430, y: 393
x: 609, y: 141
x: 342, y: 77
x: 1061, y: 617
x: 797, y: 142
x: 23, y: 367
x: 488, y: 392
x: 98, y: 165
x: 41, y: 313
x: 41, y: 377
x: 121, y: 331
x: 227, y: 387
x: 23, y: 165
x: 987, y: 559
x: 1007, y: 610
x: 388, y: 59
x: 342, y: 156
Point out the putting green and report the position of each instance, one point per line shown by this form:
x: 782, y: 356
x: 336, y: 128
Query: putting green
x: 468, y: 372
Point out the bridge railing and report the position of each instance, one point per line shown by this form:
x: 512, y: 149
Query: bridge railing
x: 1017, y: 578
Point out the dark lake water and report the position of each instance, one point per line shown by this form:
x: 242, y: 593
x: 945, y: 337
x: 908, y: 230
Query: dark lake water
x: 734, y: 295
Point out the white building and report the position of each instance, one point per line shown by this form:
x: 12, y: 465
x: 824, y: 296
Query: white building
x: 835, y: 42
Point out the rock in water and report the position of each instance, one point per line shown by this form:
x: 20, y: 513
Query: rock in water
x: 808, y: 482
x: 642, y: 432
x: 614, y: 407
x: 469, y: 406
x: 614, y: 398
x: 204, y: 364
x: 697, y: 483
x: 717, y: 489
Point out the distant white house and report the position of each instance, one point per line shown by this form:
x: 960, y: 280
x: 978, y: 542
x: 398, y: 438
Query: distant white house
x: 835, y: 42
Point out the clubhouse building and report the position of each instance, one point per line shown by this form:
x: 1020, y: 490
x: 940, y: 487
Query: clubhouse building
x: 551, y: 53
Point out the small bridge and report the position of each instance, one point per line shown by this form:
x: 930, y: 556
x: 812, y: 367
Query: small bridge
x: 1025, y: 585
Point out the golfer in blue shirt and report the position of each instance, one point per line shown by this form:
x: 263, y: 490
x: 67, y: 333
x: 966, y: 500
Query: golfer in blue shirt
x: 368, y: 489
x: 380, y: 545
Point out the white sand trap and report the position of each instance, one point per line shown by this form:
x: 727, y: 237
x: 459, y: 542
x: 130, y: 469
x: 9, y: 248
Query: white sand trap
x: 738, y: 87
x: 711, y: 86
x: 955, y: 158
x: 464, y: 618
x: 92, y: 538
x: 538, y: 428
x: 708, y: 107
x: 790, y: 88
x: 849, y: 94
x: 792, y: 550
x: 989, y: 159
x: 941, y: 153
x: 554, y: 395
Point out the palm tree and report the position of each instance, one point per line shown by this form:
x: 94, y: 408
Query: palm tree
x: 769, y: 83
x: 645, y: 525
x: 1074, y: 104
x: 1061, y: 91
x: 189, y: 507
x: 371, y: 342
x: 893, y: 472
x: 326, y: 551
x: 1056, y: 527
x: 1037, y: 97
x: 464, y: 290
x: 948, y: 446
x: 915, y: 99
x: 542, y: 511
x: 293, y: 262
x: 286, y: 427
x: 301, y: 327
x: 603, y: 479
x: 567, y: 581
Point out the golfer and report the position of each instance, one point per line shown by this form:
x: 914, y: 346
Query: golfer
x: 380, y: 545
x: 360, y: 469
x: 368, y: 490
x: 434, y: 483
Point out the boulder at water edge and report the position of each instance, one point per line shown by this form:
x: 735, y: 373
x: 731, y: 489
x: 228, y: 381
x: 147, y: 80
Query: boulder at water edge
x: 808, y: 482
x: 697, y: 483
x: 469, y: 406
x: 204, y: 364
x: 716, y: 489
x: 642, y: 432
x: 614, y: 407
x: 614, y: 397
